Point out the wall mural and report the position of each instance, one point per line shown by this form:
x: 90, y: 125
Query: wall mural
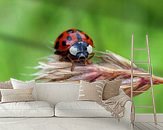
x: 75, y: 60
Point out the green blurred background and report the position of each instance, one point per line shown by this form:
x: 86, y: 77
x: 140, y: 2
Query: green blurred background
x: 29, y: 27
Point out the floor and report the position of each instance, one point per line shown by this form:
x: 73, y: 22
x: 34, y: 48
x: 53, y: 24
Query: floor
x: 148, y: 126
x: 63, y: 124
x: 73, y: 124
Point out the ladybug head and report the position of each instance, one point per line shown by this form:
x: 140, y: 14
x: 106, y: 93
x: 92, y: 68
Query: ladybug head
x: 80, y: 50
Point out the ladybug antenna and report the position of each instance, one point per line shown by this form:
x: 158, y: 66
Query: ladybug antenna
x: 78, y: 37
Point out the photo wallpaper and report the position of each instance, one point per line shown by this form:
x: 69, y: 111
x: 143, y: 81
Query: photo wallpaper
x: 29, y: 29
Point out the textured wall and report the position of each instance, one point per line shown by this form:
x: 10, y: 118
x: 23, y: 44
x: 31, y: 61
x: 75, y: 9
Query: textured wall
x: 28, y: 28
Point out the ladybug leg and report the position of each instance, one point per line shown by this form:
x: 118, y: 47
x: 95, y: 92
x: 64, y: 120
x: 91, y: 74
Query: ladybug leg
x: 88, y: 59
x: 91, y: 56
x: 87, y: 62
x: 73, y: 64
x: 63, y: 58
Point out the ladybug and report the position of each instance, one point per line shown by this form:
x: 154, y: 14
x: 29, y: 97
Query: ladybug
x: 74, y: 45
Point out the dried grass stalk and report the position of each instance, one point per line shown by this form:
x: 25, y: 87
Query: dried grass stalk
x: 106, y: 65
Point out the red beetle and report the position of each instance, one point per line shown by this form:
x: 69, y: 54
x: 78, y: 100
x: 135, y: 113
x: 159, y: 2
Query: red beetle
x: 74, y: 45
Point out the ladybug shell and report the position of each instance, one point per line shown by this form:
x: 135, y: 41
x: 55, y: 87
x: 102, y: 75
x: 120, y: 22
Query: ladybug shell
x: 69, y: 37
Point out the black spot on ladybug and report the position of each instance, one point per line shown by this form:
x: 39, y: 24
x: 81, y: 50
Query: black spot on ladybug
x: 63, y: 43
x: 86, y: 36
x: 60, y: 36
x: 78, y: 37
x: 56, y: 45
x: 70, y: 31
x: 69, y: 38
